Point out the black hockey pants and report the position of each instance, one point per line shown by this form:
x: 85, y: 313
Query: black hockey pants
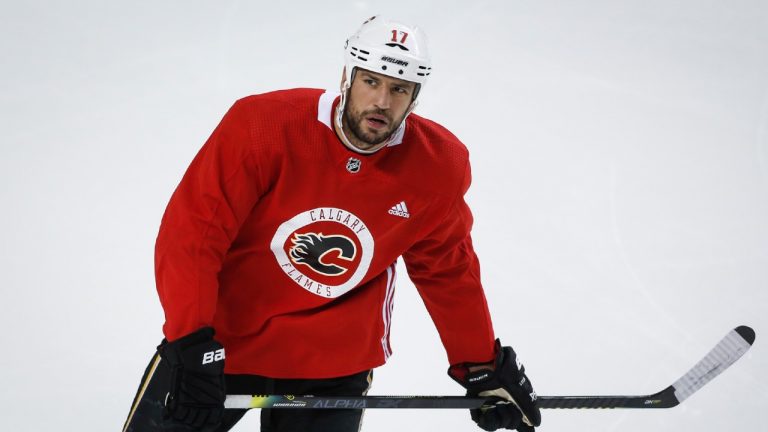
x: 146, y: 411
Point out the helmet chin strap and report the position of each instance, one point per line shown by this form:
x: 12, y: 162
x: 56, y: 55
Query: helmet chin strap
x: 339, y: 123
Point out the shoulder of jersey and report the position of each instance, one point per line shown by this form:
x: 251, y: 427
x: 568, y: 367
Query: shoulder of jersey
x: 283, y: 122
x: 282, y: 103
x: 438, y: 143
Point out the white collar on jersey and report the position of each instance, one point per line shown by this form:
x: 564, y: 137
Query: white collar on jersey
x: 325, y: 116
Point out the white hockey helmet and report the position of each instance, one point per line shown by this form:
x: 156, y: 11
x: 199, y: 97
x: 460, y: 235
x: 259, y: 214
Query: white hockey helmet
x: 390, y: 48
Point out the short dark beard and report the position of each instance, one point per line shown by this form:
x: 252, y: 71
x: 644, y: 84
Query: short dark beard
x: 355, y: 121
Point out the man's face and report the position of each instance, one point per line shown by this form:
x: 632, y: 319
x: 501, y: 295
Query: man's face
x: 376, y: 106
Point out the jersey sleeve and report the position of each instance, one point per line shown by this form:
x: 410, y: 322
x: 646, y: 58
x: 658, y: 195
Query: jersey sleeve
x: 203, y: 216
x: 446, y: 272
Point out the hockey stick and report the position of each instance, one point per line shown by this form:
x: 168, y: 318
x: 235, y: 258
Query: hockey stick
x: 723, y: 355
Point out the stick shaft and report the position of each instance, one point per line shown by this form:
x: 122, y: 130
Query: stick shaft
x: 431, y: 402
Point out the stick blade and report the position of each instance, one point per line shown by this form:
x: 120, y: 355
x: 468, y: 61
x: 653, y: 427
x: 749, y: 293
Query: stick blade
x: 734, y: 345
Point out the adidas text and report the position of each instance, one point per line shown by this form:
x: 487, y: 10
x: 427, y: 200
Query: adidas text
x: 399, y: 213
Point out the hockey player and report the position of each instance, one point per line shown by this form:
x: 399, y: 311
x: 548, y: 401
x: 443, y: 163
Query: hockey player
x: 275, y: 260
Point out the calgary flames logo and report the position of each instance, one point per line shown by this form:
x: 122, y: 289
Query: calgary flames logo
x: 326, y: 251
x: 309, y: 249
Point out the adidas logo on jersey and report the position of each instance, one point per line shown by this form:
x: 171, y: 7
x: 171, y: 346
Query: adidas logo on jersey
x: 400, y: 209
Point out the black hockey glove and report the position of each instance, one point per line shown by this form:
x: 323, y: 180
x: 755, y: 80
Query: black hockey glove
x: 513, y: 401
x: 195, y: 399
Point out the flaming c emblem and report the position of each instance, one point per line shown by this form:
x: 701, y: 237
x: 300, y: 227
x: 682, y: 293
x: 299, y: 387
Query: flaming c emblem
x: 313, y: 249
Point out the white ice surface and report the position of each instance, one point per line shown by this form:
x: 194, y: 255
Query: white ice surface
x: 620, y: 157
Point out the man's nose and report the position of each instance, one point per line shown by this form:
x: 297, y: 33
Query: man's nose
x: 382, y: 98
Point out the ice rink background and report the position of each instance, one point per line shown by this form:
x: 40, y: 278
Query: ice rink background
x: 620, y: 160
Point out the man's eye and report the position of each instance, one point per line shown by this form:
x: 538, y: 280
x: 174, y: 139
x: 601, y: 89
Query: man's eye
x: 370, y: 82
x: 401, y: 90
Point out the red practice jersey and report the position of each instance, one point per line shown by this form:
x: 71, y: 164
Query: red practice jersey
x: 285, y: 241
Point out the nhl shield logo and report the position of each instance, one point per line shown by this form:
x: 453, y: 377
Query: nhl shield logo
x: 353, y: 165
